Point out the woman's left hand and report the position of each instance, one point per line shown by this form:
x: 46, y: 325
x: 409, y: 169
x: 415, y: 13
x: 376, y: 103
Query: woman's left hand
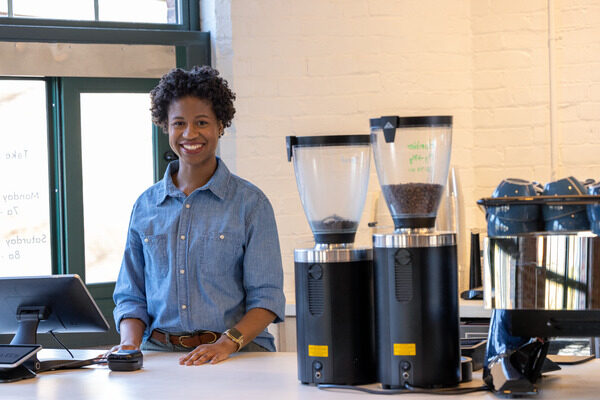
x: 210, y: 353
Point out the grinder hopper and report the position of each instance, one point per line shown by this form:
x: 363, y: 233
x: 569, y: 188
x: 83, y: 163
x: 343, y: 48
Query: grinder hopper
x: 412, y: 156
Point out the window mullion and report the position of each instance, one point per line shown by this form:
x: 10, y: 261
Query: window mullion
x: 96, y: 11
x: 56, y: 178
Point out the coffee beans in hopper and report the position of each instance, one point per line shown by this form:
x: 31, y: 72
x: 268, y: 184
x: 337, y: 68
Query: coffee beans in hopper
x: 413, y: 198
x: 334, y: 223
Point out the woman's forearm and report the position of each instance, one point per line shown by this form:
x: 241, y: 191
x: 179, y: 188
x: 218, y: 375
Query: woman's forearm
x: 254, y: 322
x: 132, y: 332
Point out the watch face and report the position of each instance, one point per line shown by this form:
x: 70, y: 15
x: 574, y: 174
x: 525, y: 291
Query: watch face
x: 235, y: 333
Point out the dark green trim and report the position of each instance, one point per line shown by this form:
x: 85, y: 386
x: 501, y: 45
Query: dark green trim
x: 160, y: 142
x: 73, y: 199
x: 74, y: 262
x: 19, y: 78
x: 103, y: 290
x: 55, y: 178
x: 188, y: 56
x: 192, y: 14
x: 62, y: 34
x: 112, y: 85
x: 71, y: 169
x: 180, y: 57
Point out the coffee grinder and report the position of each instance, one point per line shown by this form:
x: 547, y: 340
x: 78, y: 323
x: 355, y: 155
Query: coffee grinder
x: 334, y: 280
x: 415, y: 267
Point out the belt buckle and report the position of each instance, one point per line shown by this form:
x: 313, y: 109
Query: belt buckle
x: 215, y: 337
x: 181, y: 343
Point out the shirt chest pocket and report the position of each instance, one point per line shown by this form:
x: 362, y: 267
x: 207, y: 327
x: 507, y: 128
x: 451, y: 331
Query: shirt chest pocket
x: 223, y: 253
x: 155, y: 255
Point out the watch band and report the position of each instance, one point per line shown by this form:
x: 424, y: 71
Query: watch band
x: 235, y: 336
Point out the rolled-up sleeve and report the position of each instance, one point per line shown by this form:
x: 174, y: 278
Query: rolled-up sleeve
x: 130, y: 294
x: 263, y: 272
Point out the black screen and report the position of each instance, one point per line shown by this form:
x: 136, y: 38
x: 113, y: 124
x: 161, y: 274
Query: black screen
x: 10, y: 354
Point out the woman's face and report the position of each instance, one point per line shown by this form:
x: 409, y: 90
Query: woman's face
x: 193, y: 131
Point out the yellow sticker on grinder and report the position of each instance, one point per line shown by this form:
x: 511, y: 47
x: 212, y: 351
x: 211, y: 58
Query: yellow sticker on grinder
x: 318, y: 351
x: 405, y: 349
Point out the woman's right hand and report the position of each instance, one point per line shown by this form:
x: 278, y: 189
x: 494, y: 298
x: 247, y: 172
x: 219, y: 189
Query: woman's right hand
x: 122, y: 346
x: 132, y: 331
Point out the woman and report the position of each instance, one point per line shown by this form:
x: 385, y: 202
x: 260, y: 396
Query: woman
x: 202, y: 269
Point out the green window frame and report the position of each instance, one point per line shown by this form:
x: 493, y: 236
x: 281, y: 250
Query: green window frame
x: 192, y: 47
x: 70, y: 257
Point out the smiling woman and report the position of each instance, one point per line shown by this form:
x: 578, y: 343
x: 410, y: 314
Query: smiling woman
x: 220, y: 281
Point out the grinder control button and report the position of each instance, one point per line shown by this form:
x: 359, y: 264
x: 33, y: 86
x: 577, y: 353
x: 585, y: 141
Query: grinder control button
x: 315, y: 271
x: 403, y: 257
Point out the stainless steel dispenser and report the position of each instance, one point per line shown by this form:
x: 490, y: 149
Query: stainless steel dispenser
x: 550, y: 282
x: 540, y: 285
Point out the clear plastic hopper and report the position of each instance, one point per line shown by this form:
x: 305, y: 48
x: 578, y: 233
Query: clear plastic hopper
x: 412, y: 156
x: 332, y: 174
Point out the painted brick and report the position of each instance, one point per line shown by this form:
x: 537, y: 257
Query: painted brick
x: 325, y: 67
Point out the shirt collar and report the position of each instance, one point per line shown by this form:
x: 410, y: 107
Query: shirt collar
x: 217, y: 184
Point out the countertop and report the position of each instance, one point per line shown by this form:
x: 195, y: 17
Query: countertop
x: 244, y: 376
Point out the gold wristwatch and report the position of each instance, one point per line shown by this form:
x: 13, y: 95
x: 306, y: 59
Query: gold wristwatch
x: 235, y: 336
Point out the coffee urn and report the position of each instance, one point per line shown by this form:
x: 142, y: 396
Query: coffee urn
x: 333, y: 280
x: 415, y: 267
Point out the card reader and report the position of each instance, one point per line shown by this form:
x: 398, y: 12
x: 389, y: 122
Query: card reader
x: 125, y: 360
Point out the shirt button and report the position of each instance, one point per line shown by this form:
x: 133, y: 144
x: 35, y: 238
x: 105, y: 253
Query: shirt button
x: 222, y: 237
x: 182, y: 271
x: 183, y: 306
x: 146, y: 240
x: 182, y: 237
x: 187, y: 206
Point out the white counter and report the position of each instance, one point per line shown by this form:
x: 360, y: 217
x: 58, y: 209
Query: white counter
x: 245, y: 376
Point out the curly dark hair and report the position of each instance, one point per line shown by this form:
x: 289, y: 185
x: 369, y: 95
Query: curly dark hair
x: 202, y: 82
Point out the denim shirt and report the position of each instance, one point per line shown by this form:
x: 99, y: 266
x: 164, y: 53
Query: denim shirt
x: 200, y: 262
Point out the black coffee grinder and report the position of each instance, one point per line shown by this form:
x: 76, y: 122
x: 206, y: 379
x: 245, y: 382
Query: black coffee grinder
x: 334, y: 280
x: 415, y: 267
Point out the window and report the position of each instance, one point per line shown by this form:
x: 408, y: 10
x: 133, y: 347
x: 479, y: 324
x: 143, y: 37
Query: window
x: 24, y: 202
x: 149, y: 11
x: 78, y: 147
x: 115, y: 127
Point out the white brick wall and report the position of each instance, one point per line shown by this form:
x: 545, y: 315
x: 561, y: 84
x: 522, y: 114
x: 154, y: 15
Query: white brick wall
x: 325, y: 67
x: 577, y: 45
x: 317, y: 67
x: 512, y: 86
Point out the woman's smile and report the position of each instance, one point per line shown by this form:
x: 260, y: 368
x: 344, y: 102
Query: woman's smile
x: 192, y: 148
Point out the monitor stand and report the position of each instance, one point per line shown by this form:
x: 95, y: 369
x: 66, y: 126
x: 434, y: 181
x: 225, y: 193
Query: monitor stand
x: 16, y: 374
x: 28, y: 318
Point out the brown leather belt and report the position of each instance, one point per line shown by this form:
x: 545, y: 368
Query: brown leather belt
x: 188, y: 341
